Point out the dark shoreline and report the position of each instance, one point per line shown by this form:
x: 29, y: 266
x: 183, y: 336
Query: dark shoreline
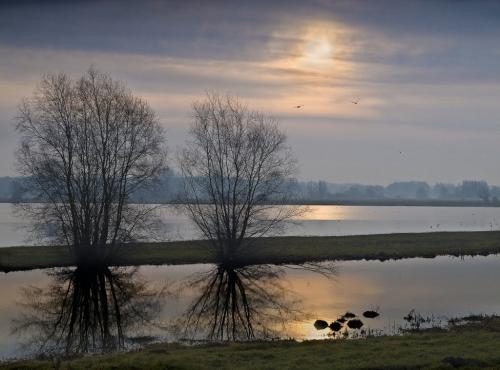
x: 472, y: 345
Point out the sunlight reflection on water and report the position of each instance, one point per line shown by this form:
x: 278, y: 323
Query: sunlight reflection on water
x: 320, y: 221
x: 445, y: 287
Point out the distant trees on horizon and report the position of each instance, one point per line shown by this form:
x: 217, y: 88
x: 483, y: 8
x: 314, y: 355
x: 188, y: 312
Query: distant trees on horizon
x: 169, y: 184
x: 419, y: 190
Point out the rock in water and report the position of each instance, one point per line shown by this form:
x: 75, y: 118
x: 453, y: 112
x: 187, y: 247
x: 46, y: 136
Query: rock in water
x: 349, y: 315
x: 336, y: 326
x: 370, y: 314
x: 355, y: 324
x: 320, y: 324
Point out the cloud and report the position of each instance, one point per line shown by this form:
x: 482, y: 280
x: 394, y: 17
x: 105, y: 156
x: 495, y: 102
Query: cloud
x: 426, y: 73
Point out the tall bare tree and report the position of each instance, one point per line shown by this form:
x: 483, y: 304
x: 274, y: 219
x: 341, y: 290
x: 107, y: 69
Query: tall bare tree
x: 87, y: 145
x: 236, y: 167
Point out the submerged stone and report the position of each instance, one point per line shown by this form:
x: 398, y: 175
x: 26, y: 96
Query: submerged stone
x: 355, y: 324
x: 371, y: 314
x: 336, y: 326
x: 320, y: 324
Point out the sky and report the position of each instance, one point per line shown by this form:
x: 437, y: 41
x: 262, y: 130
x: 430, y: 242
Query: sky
x: 425, y: 75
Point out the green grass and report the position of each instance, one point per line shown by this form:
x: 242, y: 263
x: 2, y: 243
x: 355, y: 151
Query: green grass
x: 472, y: 346
x: 275, y: 250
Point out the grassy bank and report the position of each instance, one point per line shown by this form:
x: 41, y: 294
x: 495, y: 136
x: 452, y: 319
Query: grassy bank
x: 472, y: 346
x: 275, y: 250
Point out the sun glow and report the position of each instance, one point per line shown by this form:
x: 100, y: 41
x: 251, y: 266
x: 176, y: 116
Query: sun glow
x: 317, y: 52
x: 314, y: 62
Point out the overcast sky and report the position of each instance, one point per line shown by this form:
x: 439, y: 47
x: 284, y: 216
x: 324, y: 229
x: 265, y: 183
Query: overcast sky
x: 426, y: 73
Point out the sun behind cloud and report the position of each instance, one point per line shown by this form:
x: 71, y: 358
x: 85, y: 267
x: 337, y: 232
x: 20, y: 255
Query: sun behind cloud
x: 317, y: 52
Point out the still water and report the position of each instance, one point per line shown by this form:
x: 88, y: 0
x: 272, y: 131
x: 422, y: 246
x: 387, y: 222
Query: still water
x: 320, y: 220
x: 234, y: 302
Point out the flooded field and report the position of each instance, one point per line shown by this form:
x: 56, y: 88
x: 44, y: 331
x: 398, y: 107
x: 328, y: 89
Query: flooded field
x: 43, y: 310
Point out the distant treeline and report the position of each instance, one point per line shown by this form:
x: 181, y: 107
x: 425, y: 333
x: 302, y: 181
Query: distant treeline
x: 169, y: 185
x: 467, y: 190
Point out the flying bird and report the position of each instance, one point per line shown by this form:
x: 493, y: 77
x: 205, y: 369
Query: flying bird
x: 298, y: 106
x: 355, y: 101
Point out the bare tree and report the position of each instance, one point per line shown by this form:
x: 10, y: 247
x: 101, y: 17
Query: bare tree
x: 236, y: 167
x: 87, y: 145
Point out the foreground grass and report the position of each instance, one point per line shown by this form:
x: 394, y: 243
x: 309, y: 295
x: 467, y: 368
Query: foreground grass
x: 275, y: 250
x: 471, y: 346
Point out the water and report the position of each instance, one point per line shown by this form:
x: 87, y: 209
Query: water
x: 321, y: 220
x: 283, y: 301
x: 172, y: 303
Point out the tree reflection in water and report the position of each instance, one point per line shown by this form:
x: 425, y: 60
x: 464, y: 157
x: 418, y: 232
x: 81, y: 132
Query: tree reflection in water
x: 101, y: 309
x: 244, y: 302
x: 86, y: 309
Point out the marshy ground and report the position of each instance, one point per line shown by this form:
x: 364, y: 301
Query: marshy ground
x: 288, y: 249
x: 471, y: 345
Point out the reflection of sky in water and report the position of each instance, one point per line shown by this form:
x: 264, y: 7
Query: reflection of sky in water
x: 444, y: 286
x: 321, y: 220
